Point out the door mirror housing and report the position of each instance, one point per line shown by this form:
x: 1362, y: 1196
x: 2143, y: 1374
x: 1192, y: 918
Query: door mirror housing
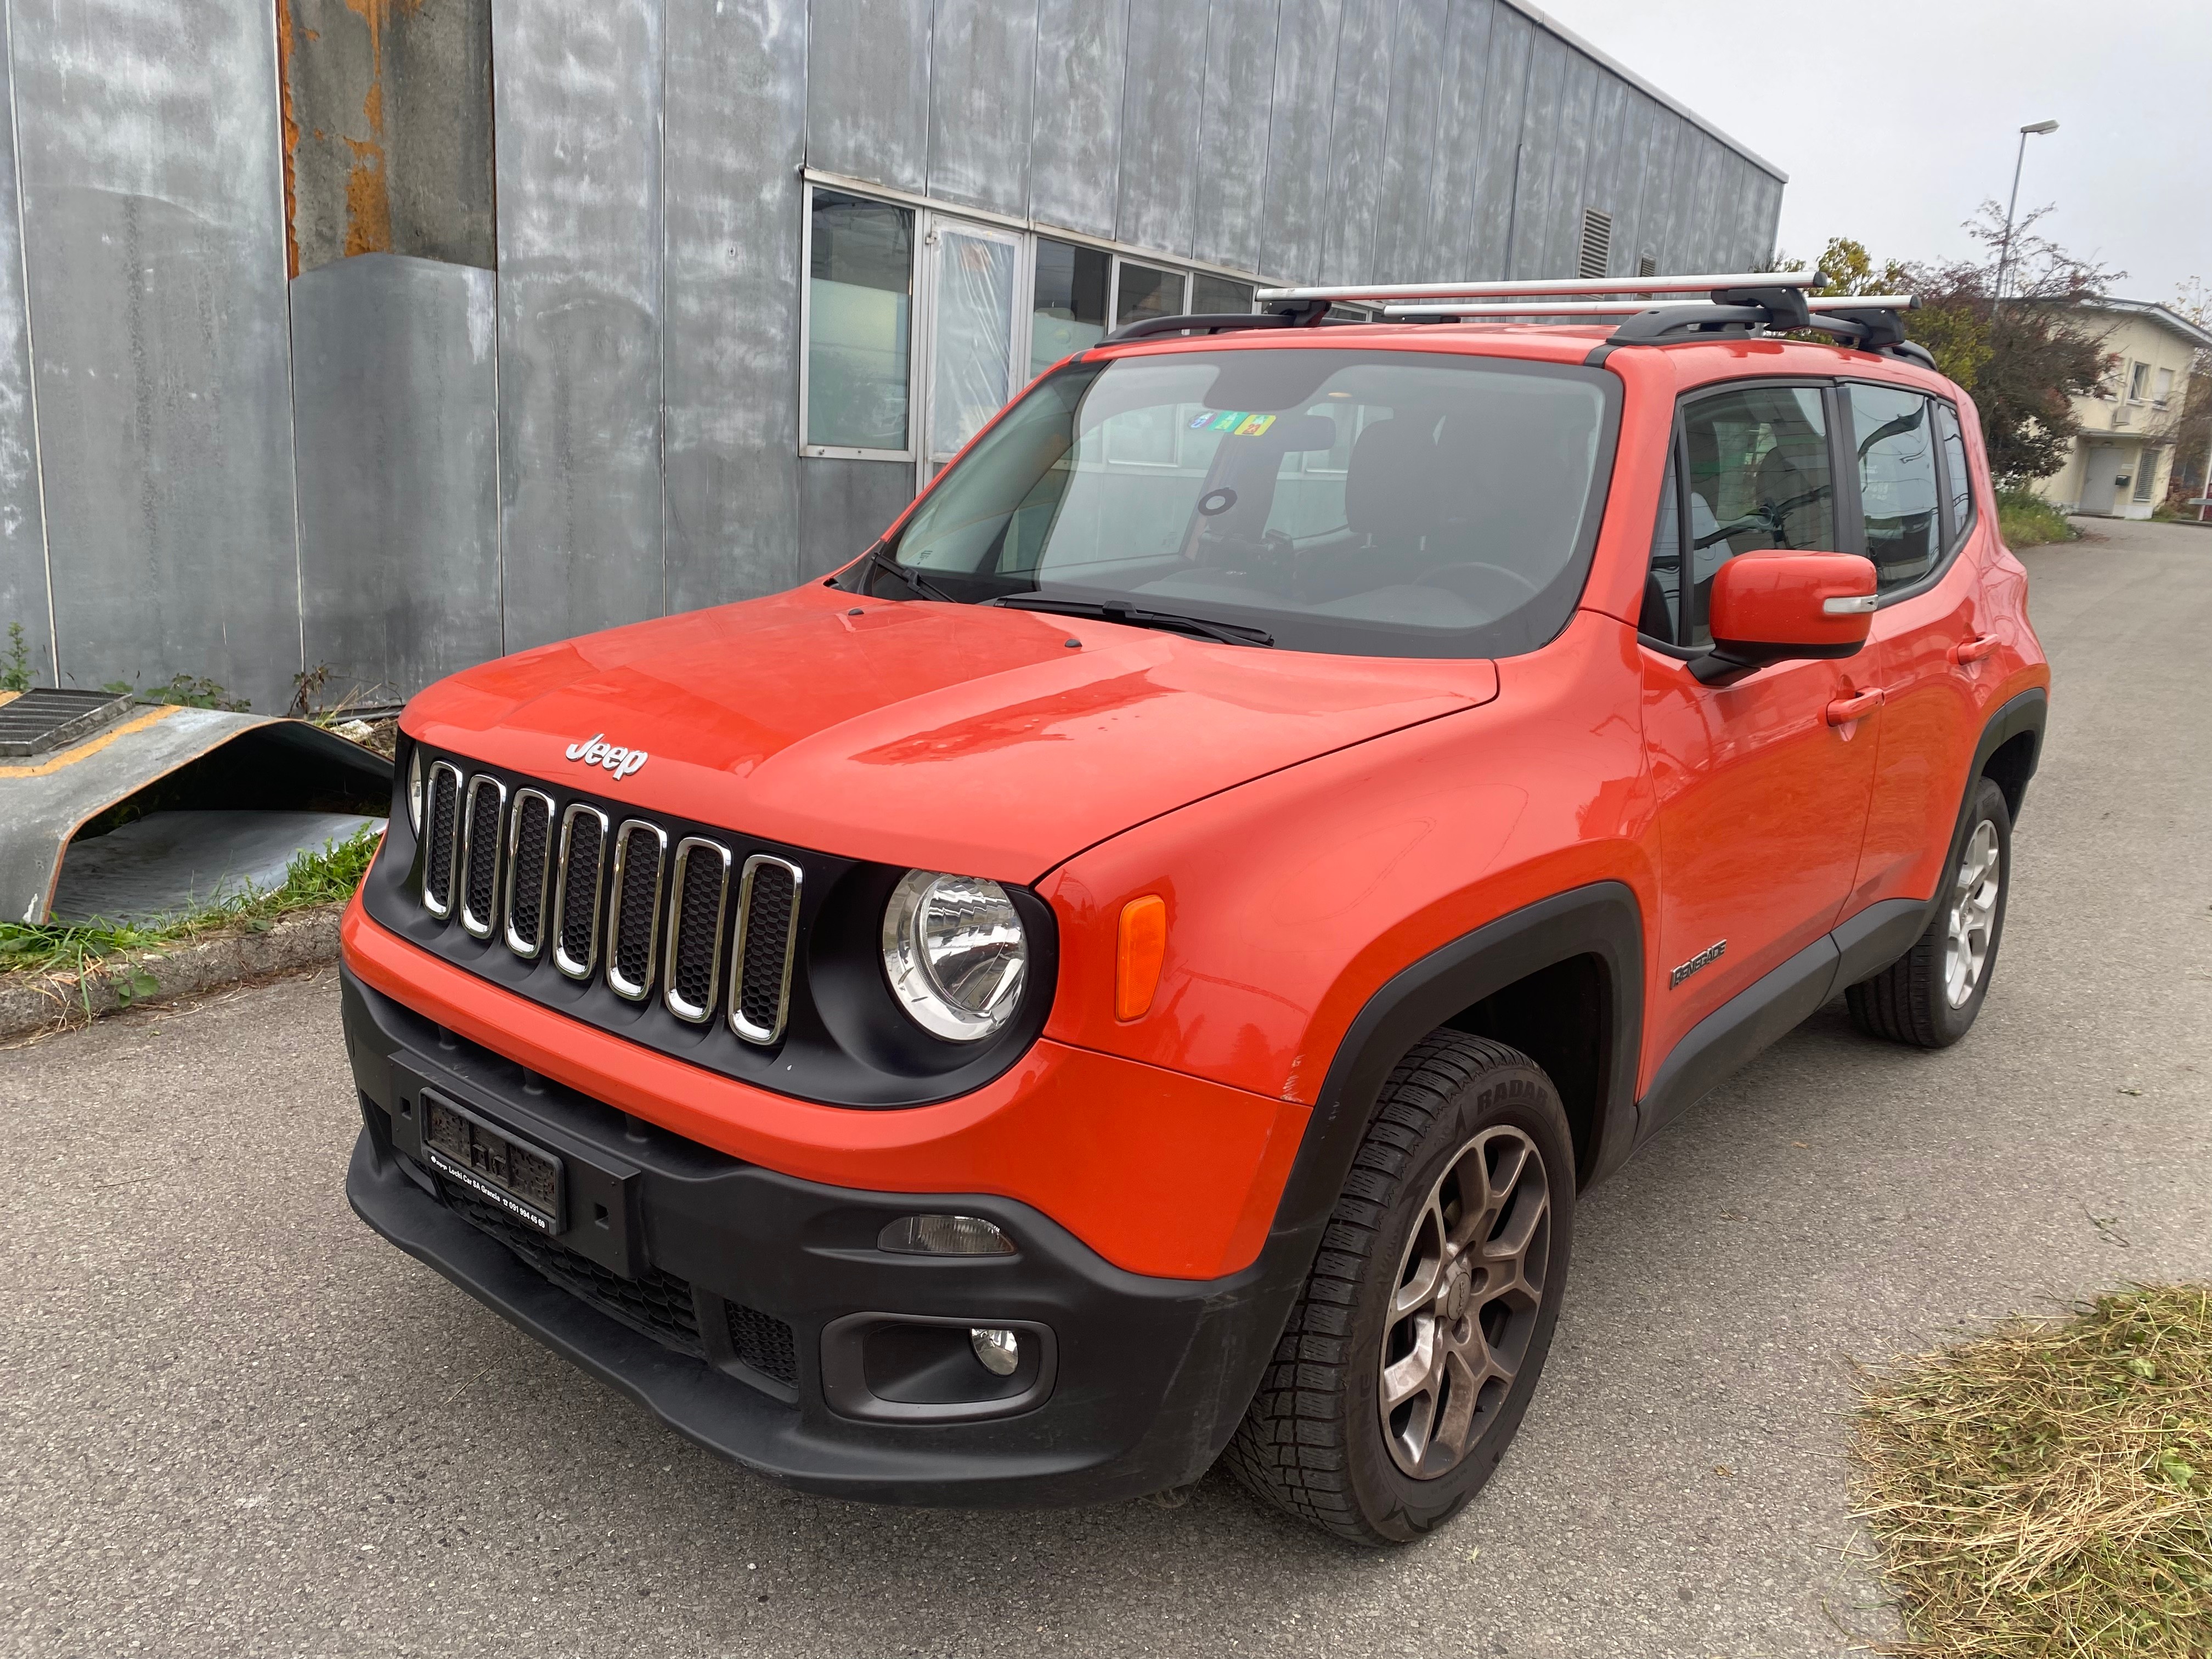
x: 1785, y: 607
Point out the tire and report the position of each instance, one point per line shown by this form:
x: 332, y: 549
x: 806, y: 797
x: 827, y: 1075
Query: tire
x: 1459, y: 1115
x: 1928, y: 998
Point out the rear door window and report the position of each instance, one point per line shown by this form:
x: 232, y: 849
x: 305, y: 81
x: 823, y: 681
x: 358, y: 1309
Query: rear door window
x: 1893, y: 431
x: 1958, y: 481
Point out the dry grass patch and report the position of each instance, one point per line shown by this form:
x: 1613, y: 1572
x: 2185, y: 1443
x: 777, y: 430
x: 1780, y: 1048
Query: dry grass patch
x: 2047, y: 1489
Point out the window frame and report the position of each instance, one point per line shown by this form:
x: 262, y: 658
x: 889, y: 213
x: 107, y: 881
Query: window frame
x: 921, y: 337
x: 911, y: 453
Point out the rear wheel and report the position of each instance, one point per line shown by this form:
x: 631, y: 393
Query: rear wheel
x: 1410, y: 1358
x: 1928, y: 996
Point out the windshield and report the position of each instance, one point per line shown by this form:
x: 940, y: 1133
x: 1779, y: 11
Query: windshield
x: 1386, y: 503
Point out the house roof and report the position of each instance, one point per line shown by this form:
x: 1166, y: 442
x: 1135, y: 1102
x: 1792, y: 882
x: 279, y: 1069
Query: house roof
x: 2151, y: 311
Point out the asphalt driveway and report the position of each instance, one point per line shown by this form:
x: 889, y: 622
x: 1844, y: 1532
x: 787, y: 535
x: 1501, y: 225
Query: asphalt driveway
x: 233, y: 1420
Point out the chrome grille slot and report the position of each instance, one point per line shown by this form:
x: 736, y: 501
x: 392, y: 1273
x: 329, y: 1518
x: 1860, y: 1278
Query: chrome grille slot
x: 633, y: 911
x: 440, y: 822
x: 529, y: 847
x: 699, y: 893
x: 479, y: 859
x: 768, y: 938
x: 577, y: 889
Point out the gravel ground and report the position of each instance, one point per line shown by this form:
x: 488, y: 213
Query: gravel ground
x: 233, y: 1420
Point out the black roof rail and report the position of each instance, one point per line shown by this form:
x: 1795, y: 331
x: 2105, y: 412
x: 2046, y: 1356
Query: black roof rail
x: 1307, y: 314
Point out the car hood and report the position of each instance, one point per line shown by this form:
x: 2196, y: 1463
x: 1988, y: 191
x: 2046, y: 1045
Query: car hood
x: 952, y: 737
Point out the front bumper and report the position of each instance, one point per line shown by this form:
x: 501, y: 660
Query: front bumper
x: 750, y: 1282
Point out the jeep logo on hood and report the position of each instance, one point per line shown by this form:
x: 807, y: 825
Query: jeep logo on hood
x: 595, y: 750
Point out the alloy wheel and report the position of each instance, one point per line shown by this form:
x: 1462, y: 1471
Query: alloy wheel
x: 1463, y: 1305
x: 1973, y: 914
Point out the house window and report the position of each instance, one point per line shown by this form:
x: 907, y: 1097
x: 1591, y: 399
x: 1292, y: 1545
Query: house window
x: 1142, y: 291
x: 2146, y: 474
x: 1597, y: 244
x: 1071, y: 301
x: 2162, y: 387
x: 860, y: 326
x: 2138, y: 382
x: 1212, y: 294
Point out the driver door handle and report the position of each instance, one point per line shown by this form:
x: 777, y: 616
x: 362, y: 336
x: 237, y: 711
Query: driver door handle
x: 1973, y: 650
x: 1843, y: 710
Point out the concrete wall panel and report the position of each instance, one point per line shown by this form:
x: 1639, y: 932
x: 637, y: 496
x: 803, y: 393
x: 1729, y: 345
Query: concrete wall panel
x: 1401, y: 183
x: 152, y: 210
x: 1302, y: 139
x: 846, y: 505
x: 579, y: 313
x: 1360, y: 128
x: 1490, y: 207
x: 734, y: 133
x: 1533, y: 200
x: 982, y: 72
x: 1233, y: 135
x: 1454, y: 241
x: 1075, y: 144
x: 1570, y: 168
x: 1162, y: 91
x: 23, y: 597
x: 867, y: 89
x: 395, y: 394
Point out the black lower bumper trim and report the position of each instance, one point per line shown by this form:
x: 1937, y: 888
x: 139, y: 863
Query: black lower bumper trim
x: 1148, y: 1376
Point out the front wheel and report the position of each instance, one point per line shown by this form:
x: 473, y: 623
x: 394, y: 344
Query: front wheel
x: 1928, y: 998
x: 1407, y: 1363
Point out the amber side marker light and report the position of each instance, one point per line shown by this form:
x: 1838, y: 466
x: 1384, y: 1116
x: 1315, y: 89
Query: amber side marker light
x: 1137, y: 955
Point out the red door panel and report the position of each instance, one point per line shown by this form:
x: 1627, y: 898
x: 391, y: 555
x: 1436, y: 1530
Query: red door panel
x: 1762, y: 805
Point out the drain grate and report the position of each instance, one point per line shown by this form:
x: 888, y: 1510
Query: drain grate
x: 47, y: 718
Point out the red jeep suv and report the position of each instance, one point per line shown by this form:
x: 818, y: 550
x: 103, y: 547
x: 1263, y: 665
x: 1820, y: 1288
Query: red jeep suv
x: 1143, y: 961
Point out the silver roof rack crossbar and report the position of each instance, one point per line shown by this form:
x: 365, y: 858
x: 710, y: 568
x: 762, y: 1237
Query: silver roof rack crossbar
x: 1580, y: 286
x: 1542, y: 308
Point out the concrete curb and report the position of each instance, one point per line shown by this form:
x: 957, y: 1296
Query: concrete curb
x: 57, y: 1001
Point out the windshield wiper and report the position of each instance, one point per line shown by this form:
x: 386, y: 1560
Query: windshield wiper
x: 927, y: 590
x: 1173, y: 622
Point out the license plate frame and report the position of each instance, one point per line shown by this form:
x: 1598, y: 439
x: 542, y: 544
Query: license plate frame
x: 522, y: 1178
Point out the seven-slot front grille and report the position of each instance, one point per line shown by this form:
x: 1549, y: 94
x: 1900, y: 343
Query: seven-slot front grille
x: 615, y: 901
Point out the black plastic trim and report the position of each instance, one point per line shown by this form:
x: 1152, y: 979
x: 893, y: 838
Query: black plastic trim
x: 1602, y: 920
x: 1150, y: 1375
x: 1732, y: 1033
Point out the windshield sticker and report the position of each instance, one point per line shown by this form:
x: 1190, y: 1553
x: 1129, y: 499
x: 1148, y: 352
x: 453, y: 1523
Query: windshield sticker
x: 1236, y: 421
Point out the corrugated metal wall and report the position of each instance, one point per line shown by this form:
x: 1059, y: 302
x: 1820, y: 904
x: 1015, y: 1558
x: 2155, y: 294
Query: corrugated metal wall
x: 605, y: 425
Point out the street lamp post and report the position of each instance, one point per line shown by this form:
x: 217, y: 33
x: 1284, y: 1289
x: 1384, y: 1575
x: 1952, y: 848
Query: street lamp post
x: 2004, y: 248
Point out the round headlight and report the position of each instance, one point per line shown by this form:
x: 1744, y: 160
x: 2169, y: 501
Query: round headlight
x: 955, y: 954
x: 415, y: 791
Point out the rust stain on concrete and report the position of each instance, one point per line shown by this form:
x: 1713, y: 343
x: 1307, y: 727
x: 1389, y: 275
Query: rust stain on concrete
x: 291, y: 126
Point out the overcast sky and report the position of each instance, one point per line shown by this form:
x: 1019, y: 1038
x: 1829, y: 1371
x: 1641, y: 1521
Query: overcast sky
x: 1894, y: 118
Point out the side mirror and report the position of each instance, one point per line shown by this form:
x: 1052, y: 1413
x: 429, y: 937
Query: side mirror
x: 1785, y: 607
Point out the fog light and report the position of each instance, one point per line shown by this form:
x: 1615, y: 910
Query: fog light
x: 943, y: 1235
x: 1000, y: 1350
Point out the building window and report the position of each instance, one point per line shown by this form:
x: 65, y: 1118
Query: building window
x: 1597, y: 244
x: 1344, y: 313
x: 859, y: 325
x: 2163, y: 387
x: 2146, y: 474
x: 2138, y: 382
x: 1217, y: 295
x: 1071, y: 302
x: 1142, y: 291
